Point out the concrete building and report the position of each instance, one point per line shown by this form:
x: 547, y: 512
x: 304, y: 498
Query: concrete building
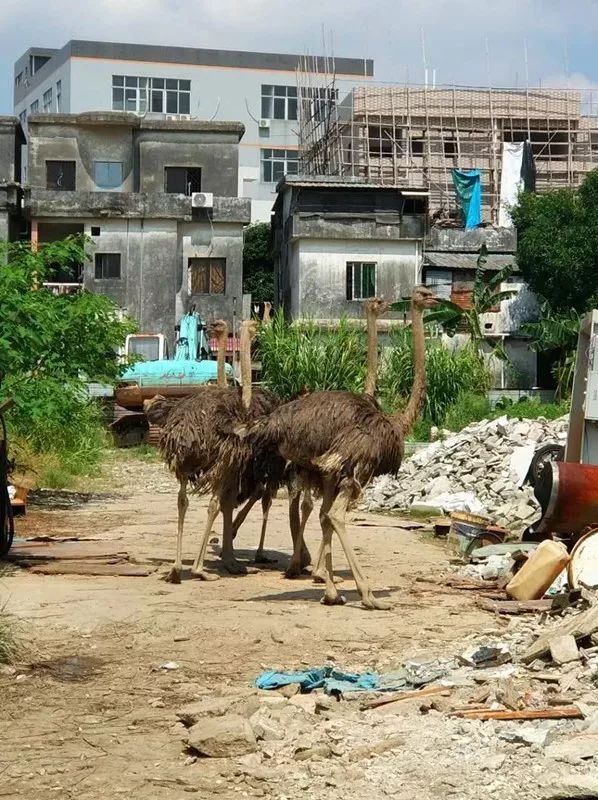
x: 259, y: 89
x: 120, y: 179
x: 450, y: 261
x: 338, y: 243
x: 11, y: 139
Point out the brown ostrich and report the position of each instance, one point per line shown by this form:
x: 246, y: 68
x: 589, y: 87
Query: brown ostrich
x: 341, y: 441
x: 198, y: 444
x: 374, y: 309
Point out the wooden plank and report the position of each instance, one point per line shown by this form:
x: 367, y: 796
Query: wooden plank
x: 580, y: 625
x: 558, y: 712
x: 93, y: 568
x: 49, y: 551
x: 514, y: 606
x: 394, y: 698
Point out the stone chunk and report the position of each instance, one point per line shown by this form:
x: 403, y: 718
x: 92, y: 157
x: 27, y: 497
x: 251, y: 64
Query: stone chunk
x: 563, y: 649
x: 222, y: 737
x: 571, y: 787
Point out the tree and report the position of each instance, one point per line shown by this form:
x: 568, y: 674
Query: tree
x: 258, y: 267
x: 50, y: 345
x: 557, y: 248
x: 556, y: 333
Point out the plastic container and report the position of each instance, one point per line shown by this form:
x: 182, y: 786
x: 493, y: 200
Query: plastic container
x: 539, y: 571
x: 467, y: 532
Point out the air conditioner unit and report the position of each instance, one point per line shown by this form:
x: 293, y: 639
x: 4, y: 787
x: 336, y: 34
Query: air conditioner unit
x: 264, y: 123
x: 202, y: 200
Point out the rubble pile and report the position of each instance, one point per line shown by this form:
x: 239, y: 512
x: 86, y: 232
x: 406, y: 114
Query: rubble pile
x: 483, y: 461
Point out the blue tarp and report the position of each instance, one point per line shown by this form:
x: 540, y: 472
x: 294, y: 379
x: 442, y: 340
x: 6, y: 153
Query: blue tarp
x: 333, y: 681
x: 468, y: 187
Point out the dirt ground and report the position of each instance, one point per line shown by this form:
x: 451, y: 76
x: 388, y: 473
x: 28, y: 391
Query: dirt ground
x: 90, y: 714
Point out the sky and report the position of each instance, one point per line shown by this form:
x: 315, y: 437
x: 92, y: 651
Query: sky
x: 469, y: 42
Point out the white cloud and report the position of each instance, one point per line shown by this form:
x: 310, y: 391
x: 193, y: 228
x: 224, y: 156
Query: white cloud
x: 387, y: 30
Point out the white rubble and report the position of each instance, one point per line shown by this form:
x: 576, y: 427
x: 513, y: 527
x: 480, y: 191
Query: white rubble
x: 485, y: 459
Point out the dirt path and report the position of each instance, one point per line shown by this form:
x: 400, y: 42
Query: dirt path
x: 93, y: 716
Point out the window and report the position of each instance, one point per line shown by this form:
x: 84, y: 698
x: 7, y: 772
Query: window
x: 440, y: 281
x: 23, y: 117
x: 95, y: 230
x: 108, y: 174
x: 361, y: 280
x: 276, y: 163
x: 107, y: 265
x: 34, y: 107
x: 60, y: 175
x: 417, y: 147
x: 59, y: 96
x: 160, y: 95
x: 182, y: 180
x: 382, y: 140
x: 207, y: 275
x: 47, y: 101
x: 18, y: 79
x: 450, y: 147
x: 279, y: 102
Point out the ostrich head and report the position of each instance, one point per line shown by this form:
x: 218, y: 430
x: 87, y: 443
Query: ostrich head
x: 376, y: 306
x: 423, y: 298
x: 217, y: 329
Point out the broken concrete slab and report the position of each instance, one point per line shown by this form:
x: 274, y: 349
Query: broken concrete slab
x: 570, y: 787
x: 574, y: 749
x: 579, y: 626
x: 222, y: 737
x: 563, y: 649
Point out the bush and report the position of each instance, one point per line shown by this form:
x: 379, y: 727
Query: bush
x: 450, y: 373
x: 304, y: 356
x: 467, y: 408
x: 529, y: 408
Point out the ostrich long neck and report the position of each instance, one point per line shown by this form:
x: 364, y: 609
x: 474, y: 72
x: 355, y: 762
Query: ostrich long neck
x: 220, y: 373
x: 245, y: 357
x: 372, y: 362
x: 409, y: 415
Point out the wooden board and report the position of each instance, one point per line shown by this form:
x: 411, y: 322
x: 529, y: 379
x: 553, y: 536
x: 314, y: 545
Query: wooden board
x: 93, y: 568
x: 558, y: 712
x: 514, y: 606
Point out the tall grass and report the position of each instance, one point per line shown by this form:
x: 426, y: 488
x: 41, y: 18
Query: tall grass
x: 305, y: 356
x: 449, y: 373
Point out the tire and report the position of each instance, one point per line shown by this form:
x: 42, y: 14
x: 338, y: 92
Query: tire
x: 7, y: 527
x: 542, y: 456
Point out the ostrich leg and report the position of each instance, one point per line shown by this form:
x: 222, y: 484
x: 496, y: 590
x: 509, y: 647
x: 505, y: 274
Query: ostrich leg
x: 331, y: 595
x: 242, y: 515
x: 197, y: 570
x: 174, y: 576
x: 301, y: 556
x: 336, y: 518
x: 229, y: 562
x: 260, y: 558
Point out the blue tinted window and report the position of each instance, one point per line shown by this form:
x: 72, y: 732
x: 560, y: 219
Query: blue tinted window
x: 108, y: 174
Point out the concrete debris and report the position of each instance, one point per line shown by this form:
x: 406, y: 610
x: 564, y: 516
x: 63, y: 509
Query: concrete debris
x: 477, y: 459
x: 222, y: 737
x: 570, y: 787
x: 563, y: 649
x: 574, y: 749
x: 525, y: 734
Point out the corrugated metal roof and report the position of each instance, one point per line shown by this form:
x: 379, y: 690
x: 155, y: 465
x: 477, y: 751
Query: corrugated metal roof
x: 437, y: 259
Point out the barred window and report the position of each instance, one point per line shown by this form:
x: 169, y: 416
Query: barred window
x: 361, y: 280
x: 107, y: 265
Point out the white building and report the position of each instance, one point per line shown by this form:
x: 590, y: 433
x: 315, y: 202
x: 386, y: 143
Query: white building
x: 258, y: 89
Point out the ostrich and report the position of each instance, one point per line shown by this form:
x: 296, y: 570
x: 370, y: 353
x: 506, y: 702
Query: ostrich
x: 374, y: 309
x: 343, y: 440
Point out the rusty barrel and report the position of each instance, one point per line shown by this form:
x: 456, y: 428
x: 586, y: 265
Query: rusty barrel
x: 568, y: 495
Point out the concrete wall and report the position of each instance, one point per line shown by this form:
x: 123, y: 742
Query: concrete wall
x: 318, y: 274
x: 84, y: 145
x: 200, y: 240
x: 218, y: 160
x: 148, y: 283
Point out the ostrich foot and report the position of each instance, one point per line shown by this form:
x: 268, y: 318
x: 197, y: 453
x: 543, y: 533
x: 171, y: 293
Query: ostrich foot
x: 295, y: 571
x: 201, y: 575
x: 333, y: 600
x: 371, y: 602
x: 234, y: 567
x: 320, y: 577
x: 172, y: 576
x: 262, y: 558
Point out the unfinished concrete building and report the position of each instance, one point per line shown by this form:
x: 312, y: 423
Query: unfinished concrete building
x: 158, y: 198
x: 11, y: 139
x: 414, y: 136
